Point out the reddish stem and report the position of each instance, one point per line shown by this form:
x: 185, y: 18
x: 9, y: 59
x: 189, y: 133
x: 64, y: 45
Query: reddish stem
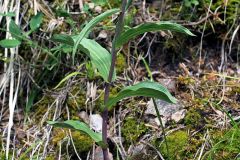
x: 118, y: 30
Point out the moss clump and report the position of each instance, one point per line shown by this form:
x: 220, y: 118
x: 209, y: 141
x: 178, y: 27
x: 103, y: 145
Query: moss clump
x: 51, y: 157
x: 132, y: 130
x: 76, y: 101
x: 42, y: 106
x: 185, y: 80
x: 235, y: 87
x: 194, y: 143
x: 120, y: 63
x: 176, y: 145
x: 100, y: 101
x: 77, y: 98
x: 81, y: 141
x: 193, y: 118
x: 114, y: 3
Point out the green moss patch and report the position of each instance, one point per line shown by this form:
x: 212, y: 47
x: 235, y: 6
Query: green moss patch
x: 176, y: 145
x: 132, y: 130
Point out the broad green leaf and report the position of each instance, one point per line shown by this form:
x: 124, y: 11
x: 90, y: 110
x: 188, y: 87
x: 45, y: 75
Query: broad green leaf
x: 15, y: 30
x: 63, y: 38
x: 66, y: 78
x: 9, y: 43
x: 9, y: 14
x: 79, y: 126
x: 149, y: 27
x: 146, y: 89
x: 99, y: 56
x: 36, y: 21
x: 85, y: 31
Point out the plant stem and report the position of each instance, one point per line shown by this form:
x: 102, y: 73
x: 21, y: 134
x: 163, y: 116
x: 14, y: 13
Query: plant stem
x: 161, y: 124
x: 118, y: 31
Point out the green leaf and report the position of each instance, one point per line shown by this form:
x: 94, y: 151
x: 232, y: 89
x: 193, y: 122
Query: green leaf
x: 61, y: 12
x: 30, y: 99
x: 129, y: 2
x: 15, y: 30
x: 36, y: 21
x: 146, y: 89
x: 66, y: 49
x: 85, y: 31
x: 79, y: 126
x: 100, y: 2
x: 9, y: 14
x: 149, y: 27
x: 187, y: 3
x: 9, y: 43
x: 99, y: 56
x: 195, y: 2
x: 63, y: 38
x: 66, y: 78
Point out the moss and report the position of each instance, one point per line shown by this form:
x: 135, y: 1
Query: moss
x: 132, y: 130
x: 58, y: 3
x: 51, y: 157
x: 42, y: 106
x: 176, y: 145
x: 142, y: 156
x: 100, y: 100
x: 230, y: 10
x: 76, y: 99
x: 235, y: 88
x: 120, y: 63
x: 81, y: 141
x: 185, y: 80
x: 194, y: 143
x: 193, y: 118
x: 114, y: 3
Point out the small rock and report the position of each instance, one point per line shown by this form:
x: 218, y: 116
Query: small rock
x: 238, y: 71
x: 170, y: 84
x: 157, y: 122
x: 98, y: 155
x: 179, y: 115
x: 84, y: 116
x: 98, y: 9
x: 167, y: 111
x: 96, y: 122
x: 138, y: 149
x: 91, y: 5
x: 102, y: 35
